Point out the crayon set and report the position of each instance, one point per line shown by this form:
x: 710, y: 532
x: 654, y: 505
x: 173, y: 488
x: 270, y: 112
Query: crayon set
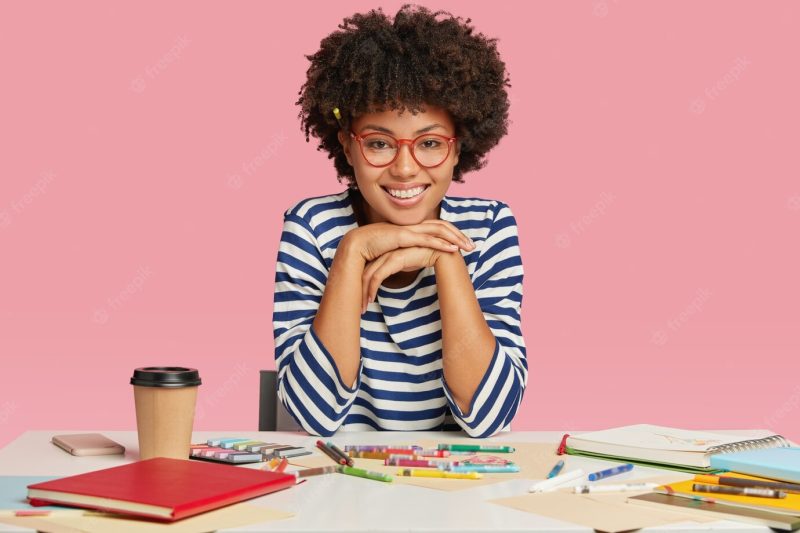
x: 243, y: 451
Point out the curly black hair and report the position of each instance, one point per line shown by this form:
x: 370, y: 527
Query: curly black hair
x: 373, y: 63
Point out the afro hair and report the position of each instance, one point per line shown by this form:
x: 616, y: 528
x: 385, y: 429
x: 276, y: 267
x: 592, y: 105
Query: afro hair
x: 375, y: 63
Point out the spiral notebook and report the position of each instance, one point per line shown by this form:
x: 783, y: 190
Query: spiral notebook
x: 665, y: 447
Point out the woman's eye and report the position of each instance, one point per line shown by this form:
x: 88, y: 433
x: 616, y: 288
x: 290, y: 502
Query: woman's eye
x: 430, y: 143
x: 377, y: 145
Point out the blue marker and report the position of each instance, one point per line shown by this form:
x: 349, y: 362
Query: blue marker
x: 621, y: 469
x: 556, y: 469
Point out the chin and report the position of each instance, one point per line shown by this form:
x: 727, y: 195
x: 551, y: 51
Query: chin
x: 403, y: 220
x: 408, y: 218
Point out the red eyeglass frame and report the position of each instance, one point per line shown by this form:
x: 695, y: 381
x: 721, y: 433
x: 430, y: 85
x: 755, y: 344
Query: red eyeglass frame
x: 400, y: 143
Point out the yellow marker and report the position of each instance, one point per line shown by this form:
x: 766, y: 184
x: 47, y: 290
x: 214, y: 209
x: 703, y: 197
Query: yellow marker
x: 438, y: 473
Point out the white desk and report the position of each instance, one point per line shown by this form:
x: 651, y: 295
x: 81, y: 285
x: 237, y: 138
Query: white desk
x: 345, y: 503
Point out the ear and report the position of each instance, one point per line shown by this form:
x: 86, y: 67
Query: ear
x: 457, y: 152
x: 344, y: 140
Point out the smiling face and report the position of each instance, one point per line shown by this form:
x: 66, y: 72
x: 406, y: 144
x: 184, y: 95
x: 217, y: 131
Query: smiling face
x: 404, y: 192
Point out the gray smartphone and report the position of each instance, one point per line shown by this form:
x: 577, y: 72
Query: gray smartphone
x: 88, y: 444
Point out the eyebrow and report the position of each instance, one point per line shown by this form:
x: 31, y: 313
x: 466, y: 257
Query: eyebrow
x: 390, y: 132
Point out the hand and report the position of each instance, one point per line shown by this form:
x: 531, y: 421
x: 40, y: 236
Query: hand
x: 374, y: 240
x: 400, y: 260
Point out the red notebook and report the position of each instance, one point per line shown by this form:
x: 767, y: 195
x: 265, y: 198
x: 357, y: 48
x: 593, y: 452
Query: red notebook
x: 166, y: 489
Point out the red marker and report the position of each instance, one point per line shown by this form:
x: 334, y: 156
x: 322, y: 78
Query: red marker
x: 433, y: 453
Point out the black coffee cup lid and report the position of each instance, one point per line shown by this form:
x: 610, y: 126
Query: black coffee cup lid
x: 166, y: 376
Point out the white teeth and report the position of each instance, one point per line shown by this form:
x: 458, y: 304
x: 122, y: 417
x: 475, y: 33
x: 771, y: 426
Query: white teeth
x: 406, y: 193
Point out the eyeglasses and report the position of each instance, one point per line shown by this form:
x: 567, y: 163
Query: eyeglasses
x: 428, y: 150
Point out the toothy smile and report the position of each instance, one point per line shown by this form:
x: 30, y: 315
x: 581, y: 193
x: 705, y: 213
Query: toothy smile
x: 406, y: 193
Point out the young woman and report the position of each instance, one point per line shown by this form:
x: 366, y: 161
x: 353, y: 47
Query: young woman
x: 397, y: 307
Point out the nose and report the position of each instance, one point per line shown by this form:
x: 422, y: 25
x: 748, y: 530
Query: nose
x: 404, y: 165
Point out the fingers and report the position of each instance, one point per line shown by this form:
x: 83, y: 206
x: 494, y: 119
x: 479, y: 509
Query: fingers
x: 449, y: 232
x: 377, y: 239
x: 378, y: 272
x: 408, y: 238
x: 454, y: 230
x: 366, y: 296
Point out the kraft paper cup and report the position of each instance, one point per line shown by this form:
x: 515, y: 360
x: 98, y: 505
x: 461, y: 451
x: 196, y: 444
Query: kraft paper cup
x: 165, y: 399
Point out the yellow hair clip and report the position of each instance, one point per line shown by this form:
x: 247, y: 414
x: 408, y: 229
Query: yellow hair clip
x: 338, y: 116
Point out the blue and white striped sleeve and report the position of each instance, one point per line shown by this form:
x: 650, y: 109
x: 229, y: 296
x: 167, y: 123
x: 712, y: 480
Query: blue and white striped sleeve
x: 498, y: 288
x: 309, y: 384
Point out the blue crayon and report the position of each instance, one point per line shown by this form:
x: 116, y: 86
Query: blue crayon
x: 621, y: 469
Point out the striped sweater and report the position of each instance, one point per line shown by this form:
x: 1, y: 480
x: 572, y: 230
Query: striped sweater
x: 400, y: 383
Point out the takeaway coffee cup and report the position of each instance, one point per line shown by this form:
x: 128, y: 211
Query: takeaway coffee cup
x: 165, y: 399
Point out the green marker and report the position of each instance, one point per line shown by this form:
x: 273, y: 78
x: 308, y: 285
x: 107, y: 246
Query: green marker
x: 367, y: 474
x: 476, y: 448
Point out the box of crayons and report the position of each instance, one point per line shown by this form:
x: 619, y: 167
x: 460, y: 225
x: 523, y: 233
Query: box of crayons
x: 242, y: 451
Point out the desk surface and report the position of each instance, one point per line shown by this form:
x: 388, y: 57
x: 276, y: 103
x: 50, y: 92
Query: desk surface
x: 345, y: 503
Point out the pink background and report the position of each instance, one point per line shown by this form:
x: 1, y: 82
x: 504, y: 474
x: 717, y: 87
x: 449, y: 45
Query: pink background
x: 148, y: 154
